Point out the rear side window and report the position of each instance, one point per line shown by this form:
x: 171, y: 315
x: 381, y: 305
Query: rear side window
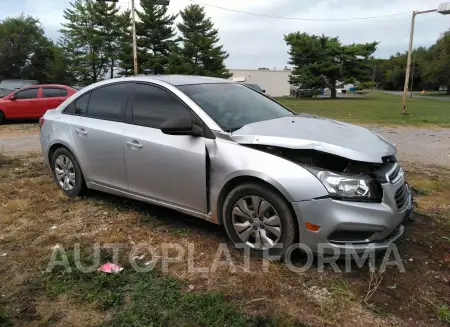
x: 27, y: 94
x: 152, y: 106
x: 108, y: 102
x: 79, y: 106
x: 48, y: 92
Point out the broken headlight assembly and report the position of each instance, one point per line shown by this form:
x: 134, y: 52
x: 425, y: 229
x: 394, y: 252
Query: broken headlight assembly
x: 350, y: 187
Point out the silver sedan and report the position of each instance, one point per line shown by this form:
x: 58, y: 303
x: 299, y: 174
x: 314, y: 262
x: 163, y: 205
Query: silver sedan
x: 220, y: 151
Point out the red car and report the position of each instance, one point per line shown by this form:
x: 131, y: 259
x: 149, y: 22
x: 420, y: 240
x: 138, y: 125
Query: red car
x: 33, y: 101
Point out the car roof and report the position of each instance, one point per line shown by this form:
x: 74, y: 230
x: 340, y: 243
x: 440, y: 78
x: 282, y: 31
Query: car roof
x: 47, y: 85
x: 178, y: 80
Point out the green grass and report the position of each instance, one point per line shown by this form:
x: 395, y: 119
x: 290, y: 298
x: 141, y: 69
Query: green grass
x: 375, y: 108
x: 435, y: 94
x: 443, y: 312
x: 149, y: 299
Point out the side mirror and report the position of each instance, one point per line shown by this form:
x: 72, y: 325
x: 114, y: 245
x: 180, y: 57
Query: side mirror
x: 264, y: 91
x: 13, y: 98
x: 181, y: 126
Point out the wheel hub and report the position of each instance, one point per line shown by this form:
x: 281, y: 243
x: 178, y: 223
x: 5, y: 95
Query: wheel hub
x: 256, y: 222
x: 65, y: 173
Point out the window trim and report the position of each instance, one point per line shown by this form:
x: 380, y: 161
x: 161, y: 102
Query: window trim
x: 28, y: 88
x: 89, y: 92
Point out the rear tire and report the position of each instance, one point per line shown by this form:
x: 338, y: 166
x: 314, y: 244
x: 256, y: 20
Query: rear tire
x: 67, y: 173
x: 2, y: 117
x: 260, y: 219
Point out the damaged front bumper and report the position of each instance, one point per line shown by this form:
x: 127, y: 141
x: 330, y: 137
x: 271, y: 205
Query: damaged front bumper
x: 347, y: 226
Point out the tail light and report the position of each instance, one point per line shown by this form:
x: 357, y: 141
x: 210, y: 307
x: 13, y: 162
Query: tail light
x: 41, y: 122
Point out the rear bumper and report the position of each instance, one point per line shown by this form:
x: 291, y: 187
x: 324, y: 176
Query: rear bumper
x: 382, y: 222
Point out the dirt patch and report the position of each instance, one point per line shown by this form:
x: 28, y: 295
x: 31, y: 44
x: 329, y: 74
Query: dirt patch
x: 17, y: 127
x: 35, y: 216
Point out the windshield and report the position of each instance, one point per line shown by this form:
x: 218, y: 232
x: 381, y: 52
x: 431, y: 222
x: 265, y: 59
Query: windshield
x: 14, y: 85
x: 232, y: 106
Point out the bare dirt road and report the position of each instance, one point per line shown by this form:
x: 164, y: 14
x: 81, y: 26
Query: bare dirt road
x: 416, y: 145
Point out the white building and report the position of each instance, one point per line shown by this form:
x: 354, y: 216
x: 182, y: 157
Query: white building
x: 275, y: 82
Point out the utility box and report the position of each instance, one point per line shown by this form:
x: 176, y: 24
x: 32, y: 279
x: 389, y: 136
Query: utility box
x: 444, y: 8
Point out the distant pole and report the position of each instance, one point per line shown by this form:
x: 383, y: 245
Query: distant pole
x: 133, y: 22
x: 443, y: 10
x: 408, y: 64
x: 374, y: 73
x: 412, y: 75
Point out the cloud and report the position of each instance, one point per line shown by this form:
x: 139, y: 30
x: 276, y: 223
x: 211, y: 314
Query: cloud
x: 258, y: 41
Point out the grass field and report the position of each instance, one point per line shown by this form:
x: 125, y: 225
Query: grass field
x: 35, y: 216
x: 375, y: 108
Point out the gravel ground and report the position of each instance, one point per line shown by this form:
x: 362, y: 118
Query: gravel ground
x: 16, y: 143
x: 419, y: 145
x: 416, y: 145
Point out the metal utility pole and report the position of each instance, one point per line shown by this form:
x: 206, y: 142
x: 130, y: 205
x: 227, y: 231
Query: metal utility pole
x: 133, y: 23
x: 444, y: 9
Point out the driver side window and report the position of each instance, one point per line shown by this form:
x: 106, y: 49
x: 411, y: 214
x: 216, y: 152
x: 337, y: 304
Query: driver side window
x: 26, y: 94
x: 152, y: 106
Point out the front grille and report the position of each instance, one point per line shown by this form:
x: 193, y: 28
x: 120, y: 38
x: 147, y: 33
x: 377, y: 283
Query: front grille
x: 401, y: 197
x: 393, y: 174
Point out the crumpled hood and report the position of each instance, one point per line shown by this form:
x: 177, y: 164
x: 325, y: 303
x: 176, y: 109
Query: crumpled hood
x: 318, y: 133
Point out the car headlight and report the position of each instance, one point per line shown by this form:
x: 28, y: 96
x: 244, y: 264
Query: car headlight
x: 344, y: 186
x: 350, y: 187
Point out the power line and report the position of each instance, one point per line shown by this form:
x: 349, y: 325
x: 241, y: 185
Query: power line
x: 298, y: 18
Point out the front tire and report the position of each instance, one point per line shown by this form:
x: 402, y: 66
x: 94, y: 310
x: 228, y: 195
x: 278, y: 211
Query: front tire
x: 260, y: 219
x: 2, y: 117
x: 67, y: 173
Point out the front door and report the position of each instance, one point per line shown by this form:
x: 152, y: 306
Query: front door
x: 97, y: 129
x: 23, y: 103
x: 169, y: 168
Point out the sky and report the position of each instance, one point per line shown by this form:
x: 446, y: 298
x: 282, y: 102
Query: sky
x: 254, y: 42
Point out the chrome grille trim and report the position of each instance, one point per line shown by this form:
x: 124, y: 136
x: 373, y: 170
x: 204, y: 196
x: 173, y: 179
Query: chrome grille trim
x: 394, y: 174
x: 402, y: 197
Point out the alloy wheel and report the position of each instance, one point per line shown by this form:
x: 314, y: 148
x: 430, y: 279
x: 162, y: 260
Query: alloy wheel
x: 256, y: 222
x: 65, y: 173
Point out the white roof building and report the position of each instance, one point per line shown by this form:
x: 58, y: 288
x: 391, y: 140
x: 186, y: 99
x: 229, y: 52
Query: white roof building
x: 274, y: 82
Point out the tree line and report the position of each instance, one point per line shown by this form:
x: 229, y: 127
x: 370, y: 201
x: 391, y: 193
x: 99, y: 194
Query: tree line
x: 324, y: 62
x: 96, y: 43
x: 430, y: 68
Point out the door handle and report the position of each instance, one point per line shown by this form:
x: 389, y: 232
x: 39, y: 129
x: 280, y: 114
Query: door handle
x: 81, y: 131
x: 134, y: 144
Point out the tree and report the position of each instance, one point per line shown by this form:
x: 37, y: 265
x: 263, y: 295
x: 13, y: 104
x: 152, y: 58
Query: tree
x: 321, y: 61
x: 198, y: 52
x: 25, y: 51
x: 59, y: 71
x: 155, y: 37
x: 438, y: 71
x: 109, y: 22
x: 82, y: 40
x: 125, y: 48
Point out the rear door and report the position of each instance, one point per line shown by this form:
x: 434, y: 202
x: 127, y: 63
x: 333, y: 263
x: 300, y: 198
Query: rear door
x: 51, y: 98
x: 97, y: 129
x: 23, y: 103
x: 170, y: 168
